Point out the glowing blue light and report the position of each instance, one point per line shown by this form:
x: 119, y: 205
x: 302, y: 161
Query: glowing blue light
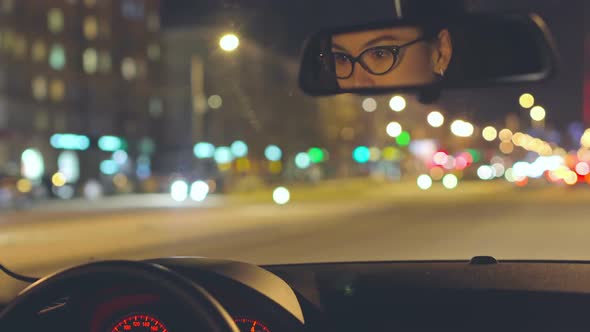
x: 239, y: 149
x: 109, y: 167
x: 223, y: 155
x: 273, y: 153
x: 302, y: 160
x: 204, y: 150
x: 361, y: 154
x: 111, y: 143
x: 69, y: 142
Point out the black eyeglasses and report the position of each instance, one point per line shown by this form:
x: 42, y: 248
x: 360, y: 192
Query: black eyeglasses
x: 377, y: 60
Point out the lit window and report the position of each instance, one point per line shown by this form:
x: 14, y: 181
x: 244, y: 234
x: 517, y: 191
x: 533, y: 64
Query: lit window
x: 153, y: 52
x: 90, y: 27
x: 7, y: 6
x: 20, y: 47
x: 156, y: 107
x: 57, y: 90
x: 153, y: 22
x: 8, y: 40
x: 59, y: 122
x: 57, y: 57
x: 90, y: 61
x: 132, y: 9
x: 129, y: 68
x: 55, y: 20
x: 104, y: 28
x: 104, y: 62
x: 38, y: 51
x: 42, y: 120
x: 90, y: 3
x: 39, y: 87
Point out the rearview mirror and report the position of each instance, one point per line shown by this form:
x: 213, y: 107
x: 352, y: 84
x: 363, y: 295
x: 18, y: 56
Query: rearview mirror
x: 466, y: 51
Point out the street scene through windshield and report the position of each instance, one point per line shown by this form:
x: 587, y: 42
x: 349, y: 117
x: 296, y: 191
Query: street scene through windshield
x: 144, y: 128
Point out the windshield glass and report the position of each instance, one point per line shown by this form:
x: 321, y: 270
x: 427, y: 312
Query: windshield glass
x: 144, y: 128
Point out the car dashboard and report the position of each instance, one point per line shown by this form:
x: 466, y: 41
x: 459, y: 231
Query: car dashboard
x: 481, y: 295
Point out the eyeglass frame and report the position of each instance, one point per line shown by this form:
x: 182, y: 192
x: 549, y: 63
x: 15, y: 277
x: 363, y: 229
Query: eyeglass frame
x: 394, y: 49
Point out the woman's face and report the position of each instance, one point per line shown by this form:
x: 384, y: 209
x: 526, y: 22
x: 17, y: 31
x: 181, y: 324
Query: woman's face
x: 381, y: 64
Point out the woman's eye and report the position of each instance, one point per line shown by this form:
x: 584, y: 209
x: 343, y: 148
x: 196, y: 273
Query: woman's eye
x: 379, y: 53
x: 340, y: 58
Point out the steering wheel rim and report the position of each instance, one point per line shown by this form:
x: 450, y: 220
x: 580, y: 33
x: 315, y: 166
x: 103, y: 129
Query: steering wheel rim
x: 204, y: 308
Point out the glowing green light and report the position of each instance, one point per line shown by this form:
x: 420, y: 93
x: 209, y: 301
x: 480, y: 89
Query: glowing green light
x: 403, y: 139
x: 109, y: 167
x: 316, y: 155
x: 475, y: 154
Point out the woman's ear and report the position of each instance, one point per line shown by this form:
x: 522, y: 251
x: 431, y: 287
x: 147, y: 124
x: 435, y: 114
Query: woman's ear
x: 443, y: 52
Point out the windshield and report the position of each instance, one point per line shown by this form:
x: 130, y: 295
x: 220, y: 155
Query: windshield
x: 144, y: 128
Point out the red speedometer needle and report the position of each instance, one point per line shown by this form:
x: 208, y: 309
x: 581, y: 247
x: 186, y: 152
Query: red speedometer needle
x: 253, y: 329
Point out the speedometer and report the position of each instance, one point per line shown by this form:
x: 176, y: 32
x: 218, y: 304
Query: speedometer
x: 250, y: 325
x: 139, y: 322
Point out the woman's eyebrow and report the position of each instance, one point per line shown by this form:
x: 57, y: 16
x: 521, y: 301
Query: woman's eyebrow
x: 380, y: 39
x: 340, y: 48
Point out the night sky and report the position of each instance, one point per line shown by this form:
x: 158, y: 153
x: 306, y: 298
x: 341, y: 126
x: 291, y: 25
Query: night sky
x: 282, y: 25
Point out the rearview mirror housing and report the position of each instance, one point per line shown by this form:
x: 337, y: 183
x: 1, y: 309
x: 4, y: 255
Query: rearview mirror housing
x: 466, y: 51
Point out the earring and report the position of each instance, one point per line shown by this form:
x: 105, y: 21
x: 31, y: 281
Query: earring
x: 442, y: 72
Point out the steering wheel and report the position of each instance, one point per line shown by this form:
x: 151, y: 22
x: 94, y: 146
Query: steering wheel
x: 204, y: 312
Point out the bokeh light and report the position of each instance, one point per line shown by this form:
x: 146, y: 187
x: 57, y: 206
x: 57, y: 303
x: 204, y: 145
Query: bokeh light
x: 229, y: 42
x: 199, y: 191
x: 316, y: 155
x: 450, y: 181
x: 506, y: 147
x: 58, y: 179
x: 397, y: 103
x: 437, y: 173
x: 24, y: 185
x: 369, y: 105
x: 403, y: 139
x: 273, y: 153
x: 462, y: 128
x: 302, y: 160
x: 505, y: 135
x: 179, y: 190
x: 537, y: 113
x: 424, y: 182
x: 485, y: 172
x: 393, y: 129
x: 435, y: 119
x: 223, y: 155
x: 239, y: 149
x: 489, y: 133
x: 582, y: 168
x: 526, y: 100
x: 361, y: 154
x: 281, y: 195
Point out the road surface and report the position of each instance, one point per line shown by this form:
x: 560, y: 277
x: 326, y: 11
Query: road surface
x: 330, y: 223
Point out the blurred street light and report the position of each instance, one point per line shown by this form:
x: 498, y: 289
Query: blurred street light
x: 229, y: 42
x: 538, y: 113
x: 435, y: 119
x: 397, y: 103
x: 526, y: 100
x: 281, y: 195
x: 369, y: 105
x: 394, y: 129
x: 489, y: 133
x: 424, y: 182
x: 450, y: 181
x: 462, y: 128
x: 505, y: 135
